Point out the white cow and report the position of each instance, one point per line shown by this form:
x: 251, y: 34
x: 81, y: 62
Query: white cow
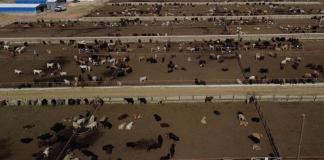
x: 203, y: 120
x: 18, y: 72
x: 58, y: 66
x: 67, y: 82
x: 92, y: 125
x: 37, y: 71
x: 122, y: 126
x: 6, y: 47
x: 129, y: 126
x: 252, y: 78
x: 50, y: 65
x: 63, y: 73
x: 143, y: 79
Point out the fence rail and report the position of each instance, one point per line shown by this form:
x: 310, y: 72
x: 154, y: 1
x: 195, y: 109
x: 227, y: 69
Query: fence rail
x: 37, y: 101
x: 170, y: 18
x: 219, y: 3
x: 173, y: 38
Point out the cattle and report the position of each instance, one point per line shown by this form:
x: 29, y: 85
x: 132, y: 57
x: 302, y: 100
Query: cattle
x: 259, y: 56
x: 173, y: 137
x: 108, y: 148
x: 89, y: 154
x: 129, y: 100
x: 18, y: 72
x: 242, y: 119
x: 67, y: 82
x: 26, y: 140
x: 123, y: 116
x: 208, y: 99
x: 166, y: 157
x: 203, y: 120
x: 200, y: 82
x: 50, y: 65
x: 63, y: 73
x: 264, y: 70
x: 129, y: 126
x: 143, y: 79
x: 142, y: 100
x: 105, y: 123
x: 157, y: 117
x: 37, y: 71
x: 172, y: 150
x: 164, y: 125
x: 225, y: 69
x: 202, y: 63
x: 246, y: 70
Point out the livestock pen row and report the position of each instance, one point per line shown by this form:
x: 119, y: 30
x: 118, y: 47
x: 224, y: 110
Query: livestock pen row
x: 277, y: 61
x: 137, y: 27
x: 201, y: 127
x: 205, y: 10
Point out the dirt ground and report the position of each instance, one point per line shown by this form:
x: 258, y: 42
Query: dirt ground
x: 157, y: 73
x: 222, y: 136
x: 285, y: 122
x: 200, y: 10
x: 88, y: 29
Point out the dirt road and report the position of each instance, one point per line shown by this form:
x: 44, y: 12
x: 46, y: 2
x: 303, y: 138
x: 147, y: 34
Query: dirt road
x: 160, y: 91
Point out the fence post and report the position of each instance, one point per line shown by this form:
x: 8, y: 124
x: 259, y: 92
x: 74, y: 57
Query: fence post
x: 315, y: 97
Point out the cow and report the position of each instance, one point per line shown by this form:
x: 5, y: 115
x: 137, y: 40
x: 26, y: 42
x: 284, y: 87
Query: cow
x: 18, y: 72
x: 50, y: 65
x: 37, y: 71
x: 143, y: 79
x: 173, y: 136
x: 129, y: 100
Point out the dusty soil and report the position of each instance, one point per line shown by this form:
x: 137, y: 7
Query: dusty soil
x: 222, y: 136
x: 200, y: 10
x: 157, y: 73
x: 88, y: 29
x: 285, y: 122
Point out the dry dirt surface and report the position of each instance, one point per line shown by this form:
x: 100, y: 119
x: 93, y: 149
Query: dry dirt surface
x: 285, y: 122
x: 222, y: 136
x: 97, y: 29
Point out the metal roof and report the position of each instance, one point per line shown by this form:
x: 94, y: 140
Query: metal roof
x: 14, y: 5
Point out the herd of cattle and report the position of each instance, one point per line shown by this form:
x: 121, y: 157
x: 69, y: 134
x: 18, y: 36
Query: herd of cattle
x: 118, y: 66
x: 77, y: 132
x: 173, y: 9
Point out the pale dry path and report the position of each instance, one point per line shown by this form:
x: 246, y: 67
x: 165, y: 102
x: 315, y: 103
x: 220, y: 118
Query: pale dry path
x: 161, y: 91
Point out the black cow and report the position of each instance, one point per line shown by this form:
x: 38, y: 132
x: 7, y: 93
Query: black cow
x: 264, y: 70
x: 108, y: 148
x: 173, y: 137
x: 167, y: 157
x: 172, y: 150
x: 208, y: 99
x: 157, y: 117
x: 129, y: 100
x: 142, y: 100
x: 90, y: 154
x: 246, y: 70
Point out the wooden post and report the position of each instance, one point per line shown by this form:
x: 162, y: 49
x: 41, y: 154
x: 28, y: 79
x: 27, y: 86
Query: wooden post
x: 303, y: 117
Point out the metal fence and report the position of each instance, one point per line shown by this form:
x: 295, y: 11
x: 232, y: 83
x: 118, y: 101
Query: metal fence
x: 37, y: 101
x: 170, y: 18
x: 173, y: 38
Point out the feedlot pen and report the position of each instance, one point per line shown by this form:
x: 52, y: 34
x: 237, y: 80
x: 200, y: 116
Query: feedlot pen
x: 221, y: 136
x: 213, y: 72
